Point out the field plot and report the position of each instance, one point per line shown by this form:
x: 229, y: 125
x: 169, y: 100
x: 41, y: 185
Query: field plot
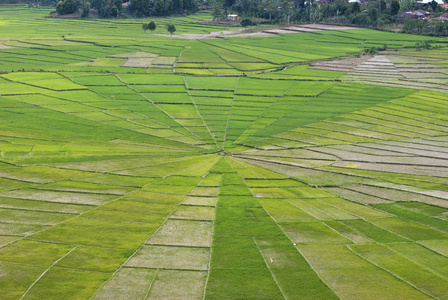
x: 138, y: 166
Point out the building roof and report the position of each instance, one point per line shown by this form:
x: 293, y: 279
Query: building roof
x: 440, y: 2
x: 420, y: 13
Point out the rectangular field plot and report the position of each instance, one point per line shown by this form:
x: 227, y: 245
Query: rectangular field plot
x: 360, y: 229
x: 146, y: 196
x: 283, y: 211
x: 20, y: 216
x: 401, y: 211
x: 128, y: 283
x: 352, y: 277
x: 190, y: 212
x: 121, y: 216
x: 439, y: 246
x: 33, y: 252
x: 183, y: 233
x: 74, y: 186
x: 148, y: 227
x: 86, y: 284
x: 20, y: 229
x: 179, y: 189
x: 356, y: 209
x: 408, y: 229
x: 205, y: 191
x: 5, y: 240
x: 242, y: 214
x: 307, y: 88
x: 18, y: 278
x: 211, y: 83
x: 242, y: 283
x: 321, y: 210
x: 423, y: 256
x: 61, y: 197
x: 90, y: 237
x: 40, y: 174
x: 295, y: 277
x: 313, y: 233
x: 211, y: 180
x: 433, y: 284
x: 177, y: 284
x: 169, y: 257
x: 200, y: 201
x: 94, y: 259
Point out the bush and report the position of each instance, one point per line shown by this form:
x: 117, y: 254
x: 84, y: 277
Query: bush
x: 246, y: 22
x: 361, y: 19
x: 66, y: 7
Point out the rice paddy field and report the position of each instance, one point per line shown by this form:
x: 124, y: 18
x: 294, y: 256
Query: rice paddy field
x: 138, y: 166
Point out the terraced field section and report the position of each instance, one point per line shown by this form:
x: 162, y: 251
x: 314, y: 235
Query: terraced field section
x: 135, y: 166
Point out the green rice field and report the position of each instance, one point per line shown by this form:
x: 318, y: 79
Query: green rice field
x: 141, y: 166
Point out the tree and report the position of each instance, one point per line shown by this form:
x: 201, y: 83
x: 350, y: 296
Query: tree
x: 374, y: 15
x: 152, y: 26
x: 170, y: 28
x: 145, y: 27
x: 114, y: 11
x: 66, y: 7
x: 160, y: 7
x: 60, y: 8
x: 178, y: 6
x: 394, y: 7
x: 86, y: 10
x: 246, y: 22
x: 190, y: 5
x: 139, y: 7
x: 271, y: 10
x: 433, y: 5
x: 119, y: 5
x: 340, y: 7
x: 169, y: 7
x: 383, y: 6
x: 406, y: 4
x: 217, y: 13
x: 356, y: 7
x: 229, y: 3
x: 106, y: 11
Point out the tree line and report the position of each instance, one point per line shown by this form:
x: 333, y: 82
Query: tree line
x: 137, y: 8
x: 141, y: 8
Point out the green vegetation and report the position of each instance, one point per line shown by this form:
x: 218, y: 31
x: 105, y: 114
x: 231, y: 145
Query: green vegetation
x: 143, y: 166
x: 388, y: 15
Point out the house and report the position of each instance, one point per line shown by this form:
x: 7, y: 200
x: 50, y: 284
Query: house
x: 233, y: 18
x: 417, y: 14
